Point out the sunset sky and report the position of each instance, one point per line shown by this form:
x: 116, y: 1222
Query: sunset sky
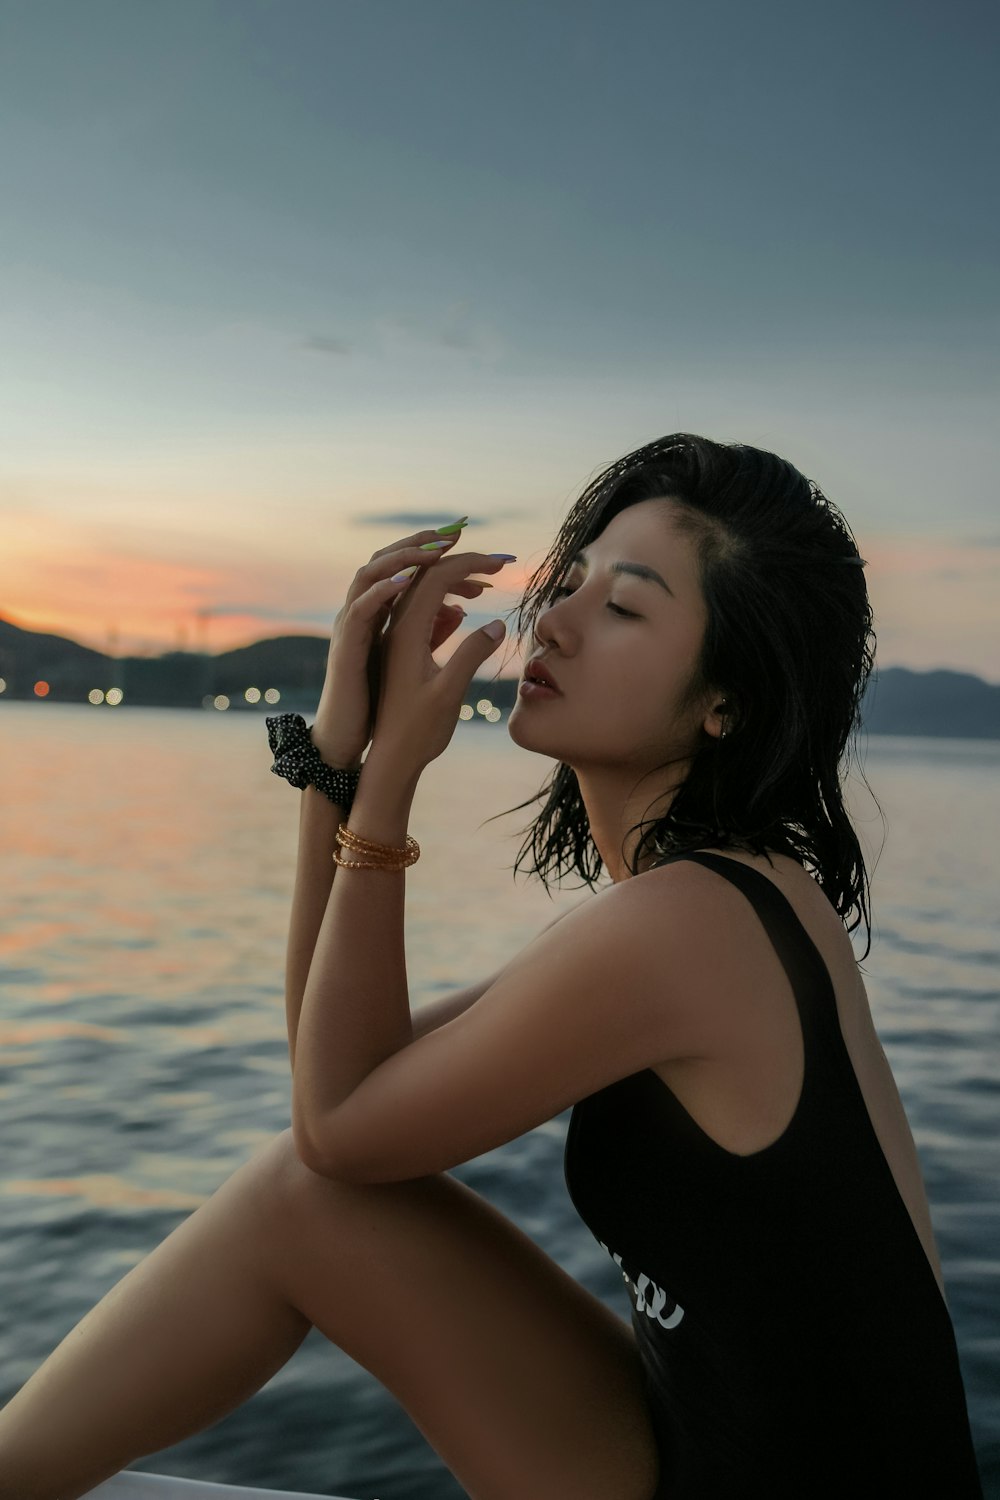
x: 285, y: 281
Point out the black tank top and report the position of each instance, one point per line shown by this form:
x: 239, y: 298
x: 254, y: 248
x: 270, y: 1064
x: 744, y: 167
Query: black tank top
x: 793, y: 1338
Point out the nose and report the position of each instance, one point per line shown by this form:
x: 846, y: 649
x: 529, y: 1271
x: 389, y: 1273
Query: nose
x: 547, y: 625
x: 553, y: 636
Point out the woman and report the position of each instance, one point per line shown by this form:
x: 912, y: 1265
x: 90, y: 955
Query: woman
x: 736, y: 1143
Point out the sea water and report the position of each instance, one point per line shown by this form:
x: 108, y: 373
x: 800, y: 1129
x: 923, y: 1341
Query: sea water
x: 146, y: 867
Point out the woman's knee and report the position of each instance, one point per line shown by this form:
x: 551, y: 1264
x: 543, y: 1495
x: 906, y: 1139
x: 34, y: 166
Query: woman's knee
x: 276, y: 1167
x: 279, y: 1173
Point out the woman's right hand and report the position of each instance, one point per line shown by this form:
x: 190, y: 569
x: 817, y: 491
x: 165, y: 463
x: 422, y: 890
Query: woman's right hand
x: 345, y: 717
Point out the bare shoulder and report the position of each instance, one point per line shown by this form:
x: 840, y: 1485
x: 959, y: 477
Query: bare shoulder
x: 664, y: 934
x: 633, y: 967
x: 801, y: 889
x: 639, y: 911
x: 725, y: 950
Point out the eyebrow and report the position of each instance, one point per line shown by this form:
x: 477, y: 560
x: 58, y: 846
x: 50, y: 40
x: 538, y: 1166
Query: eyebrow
x: 637, y: 570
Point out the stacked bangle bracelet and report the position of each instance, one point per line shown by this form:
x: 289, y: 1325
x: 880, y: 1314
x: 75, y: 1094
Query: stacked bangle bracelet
x: 381, y: 856
x: 298, y: 761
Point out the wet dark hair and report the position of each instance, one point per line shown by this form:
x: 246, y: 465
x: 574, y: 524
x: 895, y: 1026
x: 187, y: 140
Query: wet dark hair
x: 788, y: 642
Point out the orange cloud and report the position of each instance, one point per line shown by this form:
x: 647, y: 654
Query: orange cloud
x: 126, y: 597
x: 122, y: 599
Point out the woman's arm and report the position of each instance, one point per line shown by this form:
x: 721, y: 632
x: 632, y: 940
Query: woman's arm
x: 355, y: 1008
x: 354, y: 1011
x: 342, y: 728
x: 638, y: 977
x: 319, y: 820
x: 354, y: 1004
x: 315, y: 871
x: 429, y: 1017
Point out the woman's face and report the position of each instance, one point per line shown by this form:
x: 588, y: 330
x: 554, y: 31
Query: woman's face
x: 622, y: 650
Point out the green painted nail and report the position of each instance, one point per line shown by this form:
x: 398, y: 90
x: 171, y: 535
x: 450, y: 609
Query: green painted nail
x: 455, y: 526
x: 433, y: 546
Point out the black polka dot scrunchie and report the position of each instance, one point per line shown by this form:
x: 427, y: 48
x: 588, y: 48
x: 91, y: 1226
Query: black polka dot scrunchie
x: 299, y: 762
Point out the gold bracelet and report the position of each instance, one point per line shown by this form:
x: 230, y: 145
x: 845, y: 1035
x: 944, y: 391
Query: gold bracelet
x: 365, y: 864
x: 357, y: 841
x: 352, y: 840
x: 387, y: 857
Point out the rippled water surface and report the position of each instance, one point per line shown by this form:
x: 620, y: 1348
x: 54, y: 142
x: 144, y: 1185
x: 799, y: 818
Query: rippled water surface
x: 147, y: 865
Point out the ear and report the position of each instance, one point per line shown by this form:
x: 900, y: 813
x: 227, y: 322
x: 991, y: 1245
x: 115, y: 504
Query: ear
x: 718, y: 716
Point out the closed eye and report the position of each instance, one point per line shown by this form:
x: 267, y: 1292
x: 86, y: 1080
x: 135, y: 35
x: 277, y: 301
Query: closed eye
x: 625, y: 613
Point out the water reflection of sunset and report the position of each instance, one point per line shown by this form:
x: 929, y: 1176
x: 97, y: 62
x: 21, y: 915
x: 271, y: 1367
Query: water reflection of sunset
x: 102, y: 1191
x: 19, y: 1034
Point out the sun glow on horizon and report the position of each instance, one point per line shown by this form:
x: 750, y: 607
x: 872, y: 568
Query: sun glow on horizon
x: 934, y: 600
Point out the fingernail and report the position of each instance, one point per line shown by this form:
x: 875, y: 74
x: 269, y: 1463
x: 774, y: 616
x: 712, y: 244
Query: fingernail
x: 396, y: 577
x: 454, y: 526
x: 504, y: 556
x: 496, y: 630
x: 482, y: 583
x: 432, y: 546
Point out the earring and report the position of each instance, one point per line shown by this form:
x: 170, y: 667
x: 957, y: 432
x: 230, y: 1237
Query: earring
x: 722, y: 736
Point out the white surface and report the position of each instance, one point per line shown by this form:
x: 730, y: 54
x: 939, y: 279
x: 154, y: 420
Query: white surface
x: 131, y: 1485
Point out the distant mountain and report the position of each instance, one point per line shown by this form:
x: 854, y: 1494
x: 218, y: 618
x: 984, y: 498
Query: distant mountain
x: 957, y: 704
x: 21, y: 651
x: 295, y: 664
x: 898, y: 700
x: 286, y: 660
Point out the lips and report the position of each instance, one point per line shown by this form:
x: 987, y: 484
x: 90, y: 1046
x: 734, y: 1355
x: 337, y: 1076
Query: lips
x: 536, y: 672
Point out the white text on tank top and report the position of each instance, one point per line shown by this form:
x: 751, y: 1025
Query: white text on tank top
x: 649, y: 1298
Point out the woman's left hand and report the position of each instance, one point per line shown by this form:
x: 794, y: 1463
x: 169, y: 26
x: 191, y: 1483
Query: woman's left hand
x: 419, y: 701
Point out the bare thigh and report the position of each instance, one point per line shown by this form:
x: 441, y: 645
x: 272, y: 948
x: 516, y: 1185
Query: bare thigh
x: 526, y: 1385
x: 523, y: 1382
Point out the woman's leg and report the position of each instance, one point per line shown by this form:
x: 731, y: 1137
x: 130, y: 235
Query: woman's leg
x: 527, y: 1386
x: 184, y: 1337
